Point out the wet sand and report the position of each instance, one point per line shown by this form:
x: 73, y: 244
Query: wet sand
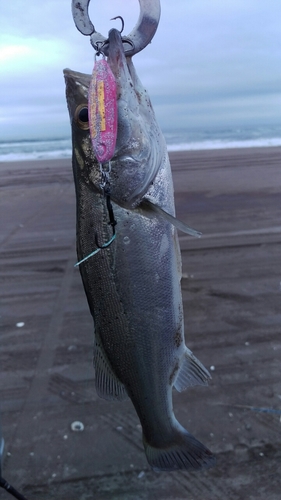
x: 231, y: 292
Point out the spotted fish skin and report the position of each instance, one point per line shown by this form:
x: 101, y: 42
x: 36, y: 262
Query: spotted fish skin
x: 133, y: 286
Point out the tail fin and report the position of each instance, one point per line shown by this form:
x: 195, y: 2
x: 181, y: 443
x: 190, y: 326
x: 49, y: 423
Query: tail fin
x: 186, y: 453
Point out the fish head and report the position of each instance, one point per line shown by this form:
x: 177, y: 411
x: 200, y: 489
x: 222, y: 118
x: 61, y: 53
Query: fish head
x: 140, y: 147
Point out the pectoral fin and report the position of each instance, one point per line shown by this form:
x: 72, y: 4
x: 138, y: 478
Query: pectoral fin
x: 108, y: 386
x: 191, y: 372
x: 150, y: 207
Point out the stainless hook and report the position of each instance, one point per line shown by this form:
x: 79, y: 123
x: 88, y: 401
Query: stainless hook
x: 137, y: 40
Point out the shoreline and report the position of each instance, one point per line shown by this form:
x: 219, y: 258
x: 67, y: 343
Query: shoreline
x: 220, y: 152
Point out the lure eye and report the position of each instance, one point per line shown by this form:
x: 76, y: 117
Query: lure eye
x: 81, y: 116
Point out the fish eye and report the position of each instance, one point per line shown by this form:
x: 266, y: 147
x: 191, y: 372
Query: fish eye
x: 81, y: 116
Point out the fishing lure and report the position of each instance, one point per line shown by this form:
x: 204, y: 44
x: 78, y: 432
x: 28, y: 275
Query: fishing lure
x: 102, y: 109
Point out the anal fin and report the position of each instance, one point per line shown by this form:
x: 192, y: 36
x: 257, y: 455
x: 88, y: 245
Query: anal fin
x: 108, y: 386
x: 191, y: 372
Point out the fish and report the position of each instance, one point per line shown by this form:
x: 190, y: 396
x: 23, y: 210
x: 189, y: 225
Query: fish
x: 133, y: 285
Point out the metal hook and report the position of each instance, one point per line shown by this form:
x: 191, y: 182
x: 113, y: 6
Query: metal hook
x: 101, y: 46
x: 112, y: 222
x: 122, y: 21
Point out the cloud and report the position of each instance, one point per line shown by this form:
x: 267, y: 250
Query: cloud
x: 209, y: 63
x: 218, y: 113
x: 28, y: 55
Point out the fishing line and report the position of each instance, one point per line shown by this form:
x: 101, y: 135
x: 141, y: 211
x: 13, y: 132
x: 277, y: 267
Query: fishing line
x: 105, y: 186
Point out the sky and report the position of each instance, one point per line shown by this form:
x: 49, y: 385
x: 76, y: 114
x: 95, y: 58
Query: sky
x: 212, y: 64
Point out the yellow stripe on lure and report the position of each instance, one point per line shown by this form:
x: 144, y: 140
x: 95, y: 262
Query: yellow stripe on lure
x: 102, y: 107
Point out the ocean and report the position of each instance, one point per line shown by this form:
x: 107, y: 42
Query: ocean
x: 41, y: 149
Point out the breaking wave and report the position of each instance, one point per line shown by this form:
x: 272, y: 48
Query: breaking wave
x: 182, y: 140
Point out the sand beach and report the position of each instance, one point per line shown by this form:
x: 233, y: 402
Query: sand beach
x: 232, y: 304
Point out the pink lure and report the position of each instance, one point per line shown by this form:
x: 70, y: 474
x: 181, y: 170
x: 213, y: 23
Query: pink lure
x: 102, y: 110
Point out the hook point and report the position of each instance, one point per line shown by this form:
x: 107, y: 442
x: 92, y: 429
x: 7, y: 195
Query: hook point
x: 122, y: 21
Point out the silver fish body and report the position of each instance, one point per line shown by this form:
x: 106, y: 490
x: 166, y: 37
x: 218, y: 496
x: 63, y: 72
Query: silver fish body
x: 133, y: 286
